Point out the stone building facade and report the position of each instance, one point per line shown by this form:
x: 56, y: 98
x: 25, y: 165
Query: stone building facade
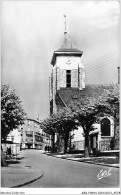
x: 67, y: 85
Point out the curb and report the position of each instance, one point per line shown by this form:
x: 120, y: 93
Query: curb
x: 108, y: 165
x: 28, y: 182
x: 22, y: 181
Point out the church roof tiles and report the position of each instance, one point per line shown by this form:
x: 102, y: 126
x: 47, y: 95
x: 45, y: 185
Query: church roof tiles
x: 70, y: 95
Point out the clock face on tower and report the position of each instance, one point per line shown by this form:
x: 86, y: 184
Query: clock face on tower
x: 68, y: 61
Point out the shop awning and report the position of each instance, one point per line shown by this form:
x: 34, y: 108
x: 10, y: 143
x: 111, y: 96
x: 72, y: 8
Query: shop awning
x: 94, y: 132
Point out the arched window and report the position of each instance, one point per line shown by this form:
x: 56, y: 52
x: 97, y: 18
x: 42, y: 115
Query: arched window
x: 105, y: 127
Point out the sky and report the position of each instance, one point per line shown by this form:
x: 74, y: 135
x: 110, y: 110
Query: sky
x: 32, y: 30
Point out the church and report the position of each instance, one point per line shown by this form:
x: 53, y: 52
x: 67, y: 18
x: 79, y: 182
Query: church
x: 67, y: 85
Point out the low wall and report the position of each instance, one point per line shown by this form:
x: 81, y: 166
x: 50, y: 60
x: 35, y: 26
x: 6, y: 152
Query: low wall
x: 110, y: 153
x: 105, y: 144
x: 78, y: 145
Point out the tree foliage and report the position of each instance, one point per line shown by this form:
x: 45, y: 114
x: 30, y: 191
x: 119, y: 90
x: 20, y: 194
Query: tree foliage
x: 12, y: 113
x: 88, y: 112
x: 66, y: 123
x: 113, y: 100
x: 61, y: 123
x: 48, y: 126
x: 87, y: 116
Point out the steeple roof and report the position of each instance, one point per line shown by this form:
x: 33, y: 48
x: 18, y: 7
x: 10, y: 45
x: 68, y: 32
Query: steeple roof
x: 67, y: 45
x: 66, y: 48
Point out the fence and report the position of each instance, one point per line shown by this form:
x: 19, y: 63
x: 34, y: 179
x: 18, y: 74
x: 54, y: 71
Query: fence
x: 78, y: 145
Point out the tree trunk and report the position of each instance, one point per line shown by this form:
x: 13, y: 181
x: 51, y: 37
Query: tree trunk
x: 53, y: 142
x: 59, y: 142
x: 70, y: 139
x: 86, y: 152
x: 65, y: 145
x: 66, y: 142
x: 3, y: 160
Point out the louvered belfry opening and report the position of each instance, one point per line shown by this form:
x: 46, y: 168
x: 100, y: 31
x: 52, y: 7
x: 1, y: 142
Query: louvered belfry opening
x: 68, y: 78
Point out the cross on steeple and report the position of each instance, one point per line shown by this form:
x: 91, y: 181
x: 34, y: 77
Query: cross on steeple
x: 65, y: 22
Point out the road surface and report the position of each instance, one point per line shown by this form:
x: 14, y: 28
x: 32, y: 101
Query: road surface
x: 62, y: 173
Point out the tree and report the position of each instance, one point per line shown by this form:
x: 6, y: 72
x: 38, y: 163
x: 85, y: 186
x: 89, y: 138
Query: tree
x: 61, y: 123
x: 90, y: 109
x: 113, y: 100
x: 87, y: 117
x: 12, y: 113
x: 49, y: 127
x: 66, y: 122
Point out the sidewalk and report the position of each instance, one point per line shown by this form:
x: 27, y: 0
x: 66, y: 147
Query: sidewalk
x: 92, y: 160
x: 18, y: 173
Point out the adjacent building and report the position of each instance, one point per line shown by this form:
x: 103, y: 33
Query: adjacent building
x: 13, y: 141
x: 67, y: 85
x: 32, y: 136
x: 27, y: 136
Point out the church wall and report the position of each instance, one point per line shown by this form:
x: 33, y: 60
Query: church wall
x: 74, y: 78
x: 61, y: 78
x: 77, y: 71
x: 50, y: 87
x: 105, y: 144
x: 117, y: 138
x: 54, y: 89
x: 75, y: 62
x: 81, y: 78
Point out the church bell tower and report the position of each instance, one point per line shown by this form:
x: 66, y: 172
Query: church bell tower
x: 68, y: 70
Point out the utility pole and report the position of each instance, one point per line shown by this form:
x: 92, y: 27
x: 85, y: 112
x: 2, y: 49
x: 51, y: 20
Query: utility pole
x: 118, y: 74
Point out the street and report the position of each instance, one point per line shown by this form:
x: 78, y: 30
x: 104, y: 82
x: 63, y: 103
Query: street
x: 61, y: 173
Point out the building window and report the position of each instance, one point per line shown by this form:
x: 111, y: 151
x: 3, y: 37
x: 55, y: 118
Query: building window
x: 105, y: 127
x: 68, y: 78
